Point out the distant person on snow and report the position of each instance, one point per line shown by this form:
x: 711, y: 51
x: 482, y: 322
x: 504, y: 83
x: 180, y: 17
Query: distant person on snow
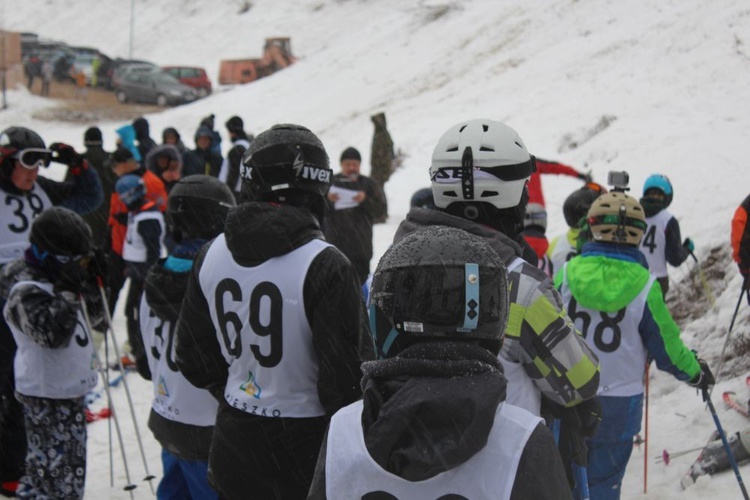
x: 618, y: 307
x: 230, y: 168
x: 550, y: 167
x: 143, y: 136
x: 741, y: 243
x: 662, y: 243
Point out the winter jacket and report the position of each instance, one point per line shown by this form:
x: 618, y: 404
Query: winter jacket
x: 143, y: 136
x: 536, y: 239
x: 561, y: 249
x: 203, y: 161
x: 381, y: 154
x: 127, y: 138
x: 431, y: 408
x: 350, y: 229
x: 230, y: 168
x: 170, y: 151
x: 256, y: 234
x: 547, y: 167
x: 741, y: 237
x: 607, y: 278
x: 539, y: 335
x: 98, y: 159
x: 118, y: 212
x: 674, y: 253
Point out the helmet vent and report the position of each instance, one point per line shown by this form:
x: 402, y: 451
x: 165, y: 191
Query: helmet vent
x: 485, y: 127
x: 452, y: 194
x: 486, y: 194
x: 462, y: 128
x: 486, y: 148
x: 452, y: 150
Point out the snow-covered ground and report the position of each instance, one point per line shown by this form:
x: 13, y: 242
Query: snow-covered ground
x: 670, y: 78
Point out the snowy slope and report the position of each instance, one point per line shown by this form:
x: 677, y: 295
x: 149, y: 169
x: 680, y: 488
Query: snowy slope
x: 671, y: 78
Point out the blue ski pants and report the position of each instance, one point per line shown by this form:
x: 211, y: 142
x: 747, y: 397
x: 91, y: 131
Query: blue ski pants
x: 184, y: 479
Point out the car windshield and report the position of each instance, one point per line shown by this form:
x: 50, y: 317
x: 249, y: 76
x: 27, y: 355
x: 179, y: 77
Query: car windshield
x: 165, y: 78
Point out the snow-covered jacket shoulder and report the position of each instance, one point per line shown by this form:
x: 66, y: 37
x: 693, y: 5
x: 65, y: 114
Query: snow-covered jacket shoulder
x: 539, y: 335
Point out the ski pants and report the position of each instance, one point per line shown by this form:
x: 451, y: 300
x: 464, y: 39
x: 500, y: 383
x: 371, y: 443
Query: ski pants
x: 184, y: 479
x: 56, y: 448
x: 609, y: 451
x: 12, y: 433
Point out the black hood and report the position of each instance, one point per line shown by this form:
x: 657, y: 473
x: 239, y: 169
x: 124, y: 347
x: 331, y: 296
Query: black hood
x: 430, y: 408
x: 417, y: 217
x: 164, y: 291
x: 258, y: 231
x: 142, y: 129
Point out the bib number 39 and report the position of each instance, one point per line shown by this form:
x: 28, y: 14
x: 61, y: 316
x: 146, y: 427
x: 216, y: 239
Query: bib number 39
x: 607, y: 332
x: 265, y: 295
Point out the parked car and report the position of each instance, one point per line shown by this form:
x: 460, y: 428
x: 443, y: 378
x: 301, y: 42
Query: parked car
x: 191, y: 76
x: 153, y: 87
x: 119, y: 67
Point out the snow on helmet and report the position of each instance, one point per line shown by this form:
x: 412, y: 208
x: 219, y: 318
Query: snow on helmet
x: 197, y: 206
x: 438, y: 282
x: 662, y: 183
x: 616, y: 218
x: 480, y: 161
x: 577, y: 204
x: 60, y: 231
x: 131, y: 190
x: 16, y: 139
x: 536, y: 216
x: 286, y: 157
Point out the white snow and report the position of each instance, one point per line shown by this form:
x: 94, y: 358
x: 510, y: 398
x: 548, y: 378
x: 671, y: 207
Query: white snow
x: 674, y: 74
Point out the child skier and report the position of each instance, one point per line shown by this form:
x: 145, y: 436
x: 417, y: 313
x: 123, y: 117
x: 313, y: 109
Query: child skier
x: 534, y: 227
x: 661, y: 241
x: 741, y: 243
x: 434, y: 422
x: 182, y: 416
x: 619, y: 309
x: 55, y: 363
x: 143, y: 245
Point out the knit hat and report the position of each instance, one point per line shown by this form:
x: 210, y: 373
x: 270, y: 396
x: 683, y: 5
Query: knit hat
x: 235, y: 124
x: 121, y: 155
x: 92, y: 137
x: 204, y: 131
x: 350, y: 154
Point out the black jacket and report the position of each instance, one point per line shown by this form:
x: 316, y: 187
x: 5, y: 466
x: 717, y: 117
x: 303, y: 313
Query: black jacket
x: 202, y: 161
x: 98, y: 159
x: 413, y: 429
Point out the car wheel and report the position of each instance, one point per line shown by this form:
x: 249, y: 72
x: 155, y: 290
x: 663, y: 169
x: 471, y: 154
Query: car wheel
x: 161, y: 100
x: 121, y: 97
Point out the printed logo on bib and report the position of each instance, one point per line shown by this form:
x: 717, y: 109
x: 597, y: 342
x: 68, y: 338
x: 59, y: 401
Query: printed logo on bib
x: 251, y: 387
x: 162, y: 387
x: 382, y: 495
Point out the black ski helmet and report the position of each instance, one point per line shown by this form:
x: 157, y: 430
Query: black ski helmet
x: 14, y: 139
x: 287, y: 163
x: 60, y: 231
x: 197, y: 207
x: 577, y: 204
x: 438, y: 282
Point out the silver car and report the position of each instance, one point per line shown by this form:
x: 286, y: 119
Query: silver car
x: 155, y: 87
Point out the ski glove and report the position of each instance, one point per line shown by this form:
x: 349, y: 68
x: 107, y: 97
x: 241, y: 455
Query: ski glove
x: 64, y: 153
x: 71, y: 277
x: 704, y: 379
x: 97, y: 267
x: 689, y: 245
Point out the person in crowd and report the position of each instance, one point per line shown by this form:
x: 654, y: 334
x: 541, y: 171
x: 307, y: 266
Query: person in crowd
x: 618, y: 307
x: 536, y: 195
x: 79, y: 78
x: 406, y: 438
x: 354, y: 202
x: 423, y: 198
x: 272, y: 323
x: 740, y: 238
x: 46, y: 73
x: 662, y: 243
x: 534, y: 227
x: 203, y: 159
x: 126, y: 139
x: 166, y: 162
x: 209, y: 123
x: 182, y: 416
x: 143, y: 136
x: 27, y: 195
x: 230, y: 168
x: 55, y: 364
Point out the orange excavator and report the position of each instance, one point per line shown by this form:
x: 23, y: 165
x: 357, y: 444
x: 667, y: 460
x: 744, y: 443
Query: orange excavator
x: 277, y: 54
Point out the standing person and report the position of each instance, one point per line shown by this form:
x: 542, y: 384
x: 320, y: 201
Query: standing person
x: 79, y: 77
x: 143, y: 136
x: 22, y: 153
x: 272, y: 323
x: 96, y: 64
x: 619, y: 308
x: 536, y: 195
x: 355, y: 201
x: 741, y: 243
x: 209, y: 123
x: 55, y: 364
x: 662, y: 243
x: 47, y: 71
x: 126, y: 139
x: 166, y: 162
x: 434, y: 422
x: 31, y: 68
x: 534, y: 227
x: 576, y: 206
x: 203, y: 158
x: 143, y: 245
x: 230, y: 169
x: 382, y: 157
x: 182, y: 417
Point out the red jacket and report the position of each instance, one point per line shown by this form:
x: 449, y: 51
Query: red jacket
x: 118, y: 211
x: 547, y: 167
x: 741, y: 237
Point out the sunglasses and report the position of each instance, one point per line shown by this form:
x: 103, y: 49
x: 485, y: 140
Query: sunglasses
x: 32, y: 158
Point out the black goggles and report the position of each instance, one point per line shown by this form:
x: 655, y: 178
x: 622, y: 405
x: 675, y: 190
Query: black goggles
x: 504, y: 172
x: 32, y: 158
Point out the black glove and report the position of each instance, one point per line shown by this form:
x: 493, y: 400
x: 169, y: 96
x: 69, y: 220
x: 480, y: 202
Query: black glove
x: 585, y: 177
x: 745, y: 279
x: 64, y: 153
x: 97, y: 267
x: 71, y: 277
x: 704, y: 379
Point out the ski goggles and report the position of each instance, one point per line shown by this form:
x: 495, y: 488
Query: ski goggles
x: 32, y: 158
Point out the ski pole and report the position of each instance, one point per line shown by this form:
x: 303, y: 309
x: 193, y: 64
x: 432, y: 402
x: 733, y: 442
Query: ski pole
x: 645, y: 444
x: 129, y: 487
x: 109, y: 424
x: 727, y: 448
x: 111, y: 328
x: 704, y: 282
x: 666, y: 456
x: 726, y: 340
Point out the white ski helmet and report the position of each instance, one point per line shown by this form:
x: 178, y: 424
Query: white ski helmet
x: 480, y: 161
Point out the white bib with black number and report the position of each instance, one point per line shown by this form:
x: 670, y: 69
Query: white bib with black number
x: 352, y: 473
x: 262, y: 328
x: 61, y: 373
x: 17, y: 214
x: 615, y: 339
x: 654, y: 243
x: 134, y: 248
x: 174, y: 397
x: 562, y: 252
